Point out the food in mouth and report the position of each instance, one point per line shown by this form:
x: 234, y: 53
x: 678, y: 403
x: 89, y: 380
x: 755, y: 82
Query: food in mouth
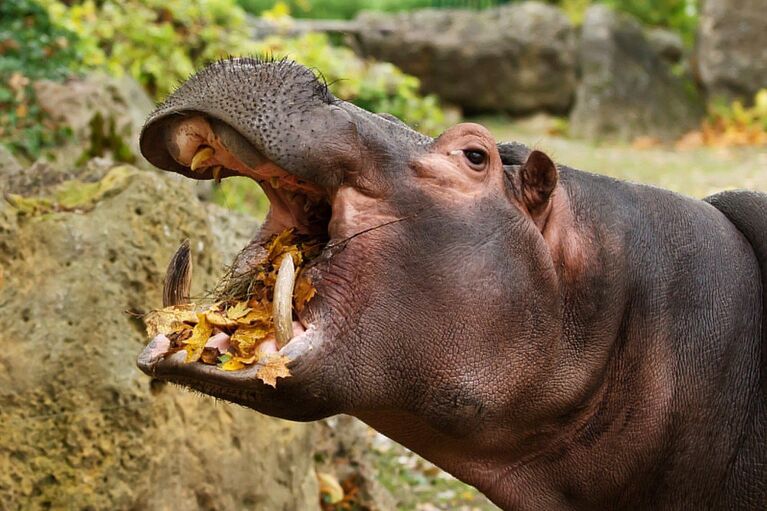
x: 248, y: 318
x: 258, y: 308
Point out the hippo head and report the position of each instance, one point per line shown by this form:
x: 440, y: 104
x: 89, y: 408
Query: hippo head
x: 438, y: 312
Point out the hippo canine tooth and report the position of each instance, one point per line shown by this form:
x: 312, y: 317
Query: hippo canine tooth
x: 178, y: 277
x: 202, y: 155
x: 282, y: 307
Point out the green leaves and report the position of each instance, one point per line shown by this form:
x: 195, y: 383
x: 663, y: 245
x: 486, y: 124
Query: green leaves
x: 32, y: 47
x: 158, y: 42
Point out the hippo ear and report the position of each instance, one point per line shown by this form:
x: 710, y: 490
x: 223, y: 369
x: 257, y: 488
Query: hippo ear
x: 537, y: 180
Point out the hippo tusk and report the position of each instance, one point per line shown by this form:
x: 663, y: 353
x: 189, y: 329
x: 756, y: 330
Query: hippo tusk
x: 217, y: 173
x: 202, y: 155
x: 282, y: 307
x: 178, y: 278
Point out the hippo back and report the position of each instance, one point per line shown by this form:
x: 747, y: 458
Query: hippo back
x: 747, y: 210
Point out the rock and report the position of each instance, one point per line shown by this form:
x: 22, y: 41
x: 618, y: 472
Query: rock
x: 104, y: 113
x: 9, y: 166
x: 626, y: 89
x: 666, y: 43
x: 83, y: 428
x: 516, y: 58
x: 732, y: 48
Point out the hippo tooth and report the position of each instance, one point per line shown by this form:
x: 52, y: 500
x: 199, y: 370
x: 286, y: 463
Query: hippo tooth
x: 217, y: 173
x: 178, y: 278
x: 282, y: 308
x: 203, y: 154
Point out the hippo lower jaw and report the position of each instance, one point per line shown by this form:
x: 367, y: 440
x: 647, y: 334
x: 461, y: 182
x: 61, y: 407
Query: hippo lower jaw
x: 244, y: 387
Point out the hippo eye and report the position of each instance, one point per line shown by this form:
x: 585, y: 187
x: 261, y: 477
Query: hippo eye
x: 476, y: 157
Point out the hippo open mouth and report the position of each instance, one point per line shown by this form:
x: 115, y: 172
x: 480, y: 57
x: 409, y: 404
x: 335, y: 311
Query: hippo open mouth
x: 207, y: 147
x: 316, y: 158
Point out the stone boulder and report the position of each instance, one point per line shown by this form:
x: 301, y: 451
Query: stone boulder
x: 626, y: 88
x: 666, y: 43
x: 9, y: 165
x: 732, y: 48
x: 83, y: 428
x: 516, y: 58
x: 105, y: 115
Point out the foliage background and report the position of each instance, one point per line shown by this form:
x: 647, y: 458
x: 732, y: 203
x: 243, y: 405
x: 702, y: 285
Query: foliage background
x: 679, y: 15
x: 160, y: 43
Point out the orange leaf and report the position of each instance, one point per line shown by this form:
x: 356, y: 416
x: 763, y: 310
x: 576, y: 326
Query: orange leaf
x: 166, y: 321
x: 304, y: 292
x: 274, y: 366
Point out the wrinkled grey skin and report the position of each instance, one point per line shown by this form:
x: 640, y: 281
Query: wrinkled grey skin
x: 558, y: 339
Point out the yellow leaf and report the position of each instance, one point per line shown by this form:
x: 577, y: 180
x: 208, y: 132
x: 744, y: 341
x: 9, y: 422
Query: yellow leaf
x: 166, y: 321
x: 280, y: 244
x: 247, y: 338
x: 239, y: 310
x: 273, y: 366
x: 219, y: 318
x: 22, y: 110
x: 200, y: 335
x: 304, y: 292
x: 258, y: 314
x: 232, y: 364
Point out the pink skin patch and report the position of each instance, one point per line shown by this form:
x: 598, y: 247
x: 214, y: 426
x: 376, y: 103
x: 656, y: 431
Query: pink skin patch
x: 159, y: 346
x: 220, y: 341
x: 269, y: 345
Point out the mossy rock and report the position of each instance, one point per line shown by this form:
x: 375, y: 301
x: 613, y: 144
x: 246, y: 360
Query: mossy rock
x: 83, y: 427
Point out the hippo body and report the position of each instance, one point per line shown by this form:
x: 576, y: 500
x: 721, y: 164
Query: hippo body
x: 558, y: 339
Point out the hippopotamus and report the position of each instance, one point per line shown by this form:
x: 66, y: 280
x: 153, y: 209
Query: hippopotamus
x: 557, y: 339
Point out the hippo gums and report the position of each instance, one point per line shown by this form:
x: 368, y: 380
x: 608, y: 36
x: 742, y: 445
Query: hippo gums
x: 558, y: 339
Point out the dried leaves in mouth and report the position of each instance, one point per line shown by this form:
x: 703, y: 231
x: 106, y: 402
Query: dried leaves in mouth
x: 258, y: 281
x: 238, y: 329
